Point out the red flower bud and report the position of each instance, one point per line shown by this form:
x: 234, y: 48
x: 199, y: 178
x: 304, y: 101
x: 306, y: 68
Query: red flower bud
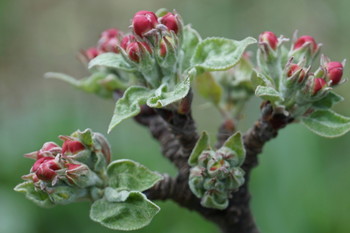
x: 143, y: 22
x: 45, y: 168
x: 110, y: 33
x: 127, y: 40
x: 170, y: 21
x: 303, y: 41
x: 76, y: 173
x: 319, y: 83
x: 134, y: 50
x: 269, y: 38
x: 295, y: 68
x: 72, y: 147
x: 91, y: 53
x: 334, y: 72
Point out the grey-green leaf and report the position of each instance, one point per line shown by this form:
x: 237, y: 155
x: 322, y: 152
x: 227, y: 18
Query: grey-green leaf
x: 134, y: 213
x: 129, y: 105
x: 260, y: 79
x: 63, y: 77
x: 219, y: 53
x: 202, y: 144
x: 39, y: 197
x: 235, y: 143
x: 130, y: 175
x: 268, y: 93
x: 191, y: 38
x: 162, y: 97
x: 111, y: 60
x: 209, y: 88
x: 328, y: 101
x: 327, y: 123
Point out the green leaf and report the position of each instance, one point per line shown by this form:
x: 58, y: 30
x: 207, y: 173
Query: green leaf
x: 85, y: 136
x: 219, y: 53
x: 214, y: 201
x: 328, y: 101
x: 129, y: 175
x: 162, y: 97
x: 134, y: 213
x: 65, y: 194
x: 202, y: 144
x: 129, y: 105
x: 111, y: 60
x: 268, y: 93
x: 235, y: 143
x: 191, y: 38
x: 63, y: 77
x: 260, y: 79
x: 327, y: 123
x: 39, y: 197
x: 209, y: 88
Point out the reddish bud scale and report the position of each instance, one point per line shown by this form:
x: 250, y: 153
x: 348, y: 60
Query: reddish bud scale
x: 72, y: 147
x: 170, y: 21
x: 269, y: 38
x: 318, y: 85
x: 334, y: 72
x: 143, y: 22
x: 301, y: 41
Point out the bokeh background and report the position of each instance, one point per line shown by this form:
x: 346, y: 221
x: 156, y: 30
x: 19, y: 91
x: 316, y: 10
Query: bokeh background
x: 302, y: 184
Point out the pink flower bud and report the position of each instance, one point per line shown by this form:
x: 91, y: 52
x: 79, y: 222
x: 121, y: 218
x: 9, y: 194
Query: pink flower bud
x: 134, y: 50
x: 334, y: 72
x: 305, y: 41
x: 170, y: 21
x: 127, y: 40
x: 269, y: 38
x: 294, y: 68
x: 319, y: 83
x: 74, y: 171
x: 110, y: 33
x: 45, y: 168
x: 48, y: 149
x: 72, y: 147
x: 143, y: 22
x: 91, y: 53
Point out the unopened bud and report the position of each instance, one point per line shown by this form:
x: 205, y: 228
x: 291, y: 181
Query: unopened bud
x: 319, y: 83
x: 91, y: 53
x: 170, y: 21
x: 48, y: 149
x: 135, y: 50
x: 72, y: 147
x: 108, y: 41
x: 270, y: 38
x: 143, y: 22
x: 127, y: 40
x: 305, y: 41
x: 334, y: 72
x: 296, y: 69
x: 45, y: 168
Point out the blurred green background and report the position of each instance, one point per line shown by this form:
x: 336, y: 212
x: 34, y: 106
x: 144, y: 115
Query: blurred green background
x: 302, y: 184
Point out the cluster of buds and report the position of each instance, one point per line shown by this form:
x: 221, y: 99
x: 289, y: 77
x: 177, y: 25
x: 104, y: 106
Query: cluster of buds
x: 291, y: 70
x: 78, y: 165
x: 215, y: 177
x: 108, y: 42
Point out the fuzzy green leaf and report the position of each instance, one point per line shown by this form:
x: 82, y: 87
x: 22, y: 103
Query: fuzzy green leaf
x: 235, y: 143
x: 111, y: 60
x: 162, y: 97
x: 129, y: 105
x: 191, y: 39
x: 260, y: 79
x: 134, y: 213
x: 215, y: 201
x: 202, y: 144
x: 39, y: 197
x: 328, y: 101
x: 129, y: 175
x: 85, y: 136
x: 327, y: 123
x: 209, y: 88
x: 268, y: 93
x: 219, y: 53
